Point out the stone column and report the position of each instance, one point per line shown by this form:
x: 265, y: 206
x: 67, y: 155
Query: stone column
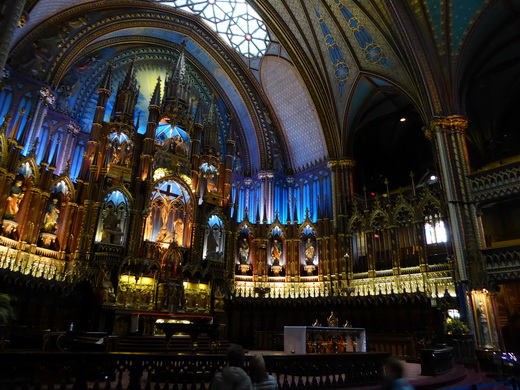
x: 342, y: 184
x: 447, y: 134
x: 46, y: 99
x: 12, y: 12
x: 266, y: 182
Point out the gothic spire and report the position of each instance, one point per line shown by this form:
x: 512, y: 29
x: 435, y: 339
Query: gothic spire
x: 106, y: 82
x: 198, y: 115
x: 211, y: 129
x: 156, y: 95
x: 130, y: 80
x: 177, y: 86
x: 126, y: 99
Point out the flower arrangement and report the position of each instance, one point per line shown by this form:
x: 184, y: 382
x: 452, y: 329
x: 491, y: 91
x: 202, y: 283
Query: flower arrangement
x: 456, y: 326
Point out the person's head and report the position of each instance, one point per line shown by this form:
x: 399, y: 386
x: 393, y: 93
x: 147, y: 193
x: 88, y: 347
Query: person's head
x: 394, y: 368
x: 257, y: 369
x: 235, y: 355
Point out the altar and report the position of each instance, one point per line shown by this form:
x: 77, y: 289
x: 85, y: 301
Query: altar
x: 318, y: 339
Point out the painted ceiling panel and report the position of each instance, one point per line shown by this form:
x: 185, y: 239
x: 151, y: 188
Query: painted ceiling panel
x: 294, y: 17
x: 463, y: 13
x: 435, y: 14
x: 295, y: 109
x: 341, y: 66
x: 44, y: 10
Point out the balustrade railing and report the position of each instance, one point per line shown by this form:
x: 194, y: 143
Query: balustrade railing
x: 143, y: 371
x: 33, y: 265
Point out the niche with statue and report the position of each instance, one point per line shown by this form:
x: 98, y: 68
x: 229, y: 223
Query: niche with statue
x: 214, y: 239
x: 113, y: 219
x: 308, y: 249
x: 243, y: 254
x: 16, y: 195
x: 53, y: 215
x: 168, y: 218
x: 276, y: 251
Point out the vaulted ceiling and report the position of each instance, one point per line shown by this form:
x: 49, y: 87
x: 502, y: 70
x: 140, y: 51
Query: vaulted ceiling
x: 341, y: 57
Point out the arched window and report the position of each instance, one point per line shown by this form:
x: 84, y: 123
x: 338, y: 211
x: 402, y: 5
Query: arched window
x: 435, y: 230
x: 435, y: 233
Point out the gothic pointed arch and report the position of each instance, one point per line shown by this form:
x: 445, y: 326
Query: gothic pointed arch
x: 19, y: 196
x: 114, y: 217
x: 366, y: 88
x: 488, y: 66
x: 66, y: 181
x: 383, y: 132
x: 276, y: 251
x: 308, y: 248
x: 214, y: 236
x: 29, y: 169
x: 249, y: 96
x: 404, y: 212
x: 170, y: 209
x: 244, y: 257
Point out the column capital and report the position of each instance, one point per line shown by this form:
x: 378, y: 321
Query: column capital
x: 269, y: 175
x: 452, y: 123
x: 46, y: 97
x: 342, y: 163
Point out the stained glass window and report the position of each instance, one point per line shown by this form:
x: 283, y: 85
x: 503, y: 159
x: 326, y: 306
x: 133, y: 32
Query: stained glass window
x: 236, y: 22
x: 435, y: 230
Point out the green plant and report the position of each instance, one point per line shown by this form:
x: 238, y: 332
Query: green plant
x: 6, y: 310
x: 456, y: 326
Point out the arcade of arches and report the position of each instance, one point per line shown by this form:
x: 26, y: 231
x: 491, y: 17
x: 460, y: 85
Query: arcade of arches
x: 262, y: 162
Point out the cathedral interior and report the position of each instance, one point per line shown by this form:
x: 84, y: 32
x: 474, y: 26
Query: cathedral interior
x: 261, y: 162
